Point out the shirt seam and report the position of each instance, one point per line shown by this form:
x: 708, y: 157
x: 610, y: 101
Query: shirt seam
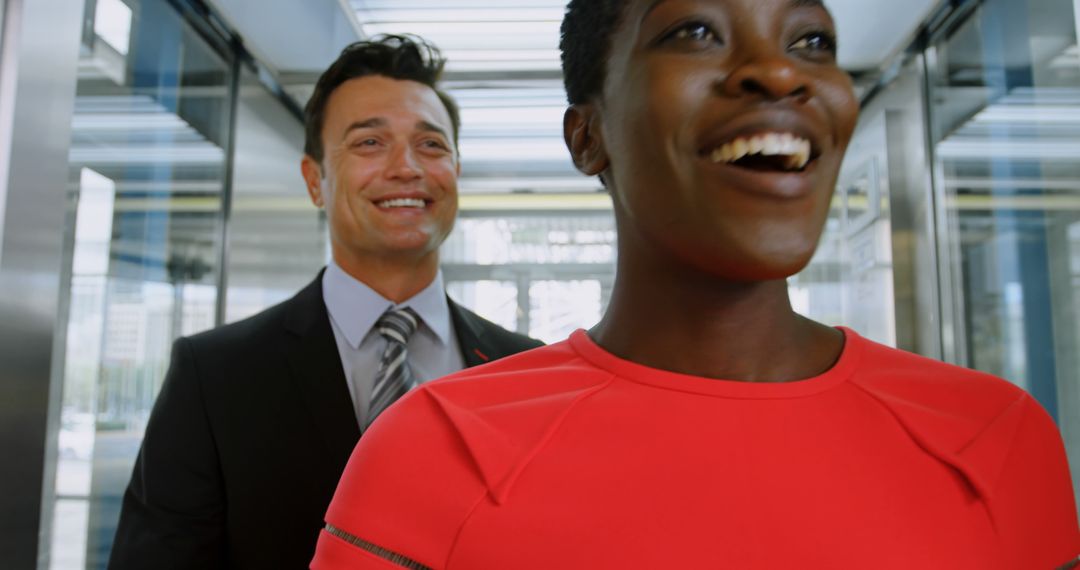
x: 556, y: 426
x: 461, y: 528
x: 524, y: 463
x: 1024, y: 401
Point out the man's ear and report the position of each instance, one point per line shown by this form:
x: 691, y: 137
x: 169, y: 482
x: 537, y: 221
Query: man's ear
x: 581, y: 131
x: 312, y: 172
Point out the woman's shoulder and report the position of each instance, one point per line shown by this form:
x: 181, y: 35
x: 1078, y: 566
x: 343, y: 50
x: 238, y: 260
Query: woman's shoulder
x: 903, y: 377
x: 452, y: 443
x: 992, y: 432
x: 968, y: 419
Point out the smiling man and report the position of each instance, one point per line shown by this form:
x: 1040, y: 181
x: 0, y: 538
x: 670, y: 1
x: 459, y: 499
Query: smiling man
x: 256, y: 420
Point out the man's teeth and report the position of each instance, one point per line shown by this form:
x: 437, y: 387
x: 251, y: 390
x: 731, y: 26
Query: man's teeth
x: 796, y: 149
x: 401, y: 203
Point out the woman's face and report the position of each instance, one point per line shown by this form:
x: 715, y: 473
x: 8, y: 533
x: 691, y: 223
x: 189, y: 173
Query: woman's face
x: 722, y: 126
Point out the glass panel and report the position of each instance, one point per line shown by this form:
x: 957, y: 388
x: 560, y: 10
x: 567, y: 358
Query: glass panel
x: 1005, y: 113
x: 543, y: 274
x: 557, y: 308
x: 496, y: 301
x: 850, y: 279
x: 277, y: 238
x: 147, y: 162
x: 556, y: 238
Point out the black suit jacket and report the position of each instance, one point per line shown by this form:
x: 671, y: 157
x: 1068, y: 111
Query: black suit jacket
x: 248, y: 437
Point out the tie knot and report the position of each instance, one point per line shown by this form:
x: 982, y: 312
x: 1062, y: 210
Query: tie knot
x: 398, y: 324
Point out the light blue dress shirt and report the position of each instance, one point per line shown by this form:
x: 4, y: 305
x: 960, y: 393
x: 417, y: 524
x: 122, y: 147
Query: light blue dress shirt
x: 354, y: 309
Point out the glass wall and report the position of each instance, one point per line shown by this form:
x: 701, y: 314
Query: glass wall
x: 277, y: 238
x: 1004, y: 93
x: 850, y: 279
x: 148, y: 161
x: 543, y: 274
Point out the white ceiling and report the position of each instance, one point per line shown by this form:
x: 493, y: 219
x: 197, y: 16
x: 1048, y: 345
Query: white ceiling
x: 524, y: 34
x: 291, y: 35
x: 871, y: 31
x: 503, y: 67
x: 305, y: 35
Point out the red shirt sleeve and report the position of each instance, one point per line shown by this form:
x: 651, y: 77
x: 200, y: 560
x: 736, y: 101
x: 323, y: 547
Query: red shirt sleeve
x: 407, y: 489
x: 1032, y: 504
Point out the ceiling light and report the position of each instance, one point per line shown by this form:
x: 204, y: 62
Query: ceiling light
x: 957, y: 148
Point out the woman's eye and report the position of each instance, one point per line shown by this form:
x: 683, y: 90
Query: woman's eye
x: 694, y: 32
x: 818, y: 41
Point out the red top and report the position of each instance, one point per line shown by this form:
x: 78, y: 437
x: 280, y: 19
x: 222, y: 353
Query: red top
x: 568, y: 457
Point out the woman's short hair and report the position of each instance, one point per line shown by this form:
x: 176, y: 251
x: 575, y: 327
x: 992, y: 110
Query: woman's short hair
x: 587, y: 28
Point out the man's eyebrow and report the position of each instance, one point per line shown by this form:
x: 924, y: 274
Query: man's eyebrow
x: 432, y: 127
x: 366, y: 124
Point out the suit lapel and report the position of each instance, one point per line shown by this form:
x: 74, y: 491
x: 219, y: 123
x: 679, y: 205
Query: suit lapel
x: 475, y: 350
x: 315, y: 368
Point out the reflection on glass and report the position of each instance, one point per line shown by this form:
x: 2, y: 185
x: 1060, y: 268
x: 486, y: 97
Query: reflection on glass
x: 850, y: 279
x: 277, y: 239
x: 496, y: 301
x: 147, y: 158
x: 543, y: 274
x: 1005, y: 96
x: 558, y: 308
x: 532, y: 239
x: 112, y: 23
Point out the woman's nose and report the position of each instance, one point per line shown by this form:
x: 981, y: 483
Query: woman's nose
x: 771, y: 76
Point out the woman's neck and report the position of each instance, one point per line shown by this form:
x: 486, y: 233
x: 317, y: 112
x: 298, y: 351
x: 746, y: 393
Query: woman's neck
x: 668, y: 316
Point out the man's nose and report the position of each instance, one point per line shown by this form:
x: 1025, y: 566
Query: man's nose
x: 403, y: 164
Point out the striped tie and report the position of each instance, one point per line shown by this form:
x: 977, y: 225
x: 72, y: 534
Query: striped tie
x: 394, y: 377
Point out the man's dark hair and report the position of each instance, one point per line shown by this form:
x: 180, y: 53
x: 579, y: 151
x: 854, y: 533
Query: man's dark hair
x: 403, y: 57
x: 587, y: 28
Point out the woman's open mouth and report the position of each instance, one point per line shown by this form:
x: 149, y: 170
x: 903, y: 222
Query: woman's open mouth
x: 775, y: 151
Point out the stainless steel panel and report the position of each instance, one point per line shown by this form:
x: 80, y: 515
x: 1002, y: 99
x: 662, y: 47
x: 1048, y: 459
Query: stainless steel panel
x: 915, y: 268
x: 44, y: 35
x: 950, y: 282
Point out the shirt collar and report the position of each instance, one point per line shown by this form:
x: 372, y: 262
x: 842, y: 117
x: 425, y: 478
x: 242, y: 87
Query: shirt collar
x: 355, y: 307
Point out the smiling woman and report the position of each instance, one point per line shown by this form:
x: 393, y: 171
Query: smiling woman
x: 702, y: 422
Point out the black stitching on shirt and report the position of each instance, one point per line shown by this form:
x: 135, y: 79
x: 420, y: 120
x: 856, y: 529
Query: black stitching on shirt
x: 399, y: 559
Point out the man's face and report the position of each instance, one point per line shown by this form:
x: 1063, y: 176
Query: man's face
x: 724, y: 123
x: 388, y: 178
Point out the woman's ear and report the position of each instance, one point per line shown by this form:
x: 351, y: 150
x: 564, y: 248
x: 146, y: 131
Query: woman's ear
x: 581, y: 131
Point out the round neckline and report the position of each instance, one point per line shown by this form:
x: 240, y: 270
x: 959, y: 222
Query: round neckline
x: 840, y: 371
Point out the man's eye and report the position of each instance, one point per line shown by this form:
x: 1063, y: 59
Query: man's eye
x: 817, y: 41
x: 694, y: 32
x: 364, y: 142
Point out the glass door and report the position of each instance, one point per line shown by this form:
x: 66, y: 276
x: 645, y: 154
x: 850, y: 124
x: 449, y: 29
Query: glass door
x: 1004, y: 103
x: 146, y: 179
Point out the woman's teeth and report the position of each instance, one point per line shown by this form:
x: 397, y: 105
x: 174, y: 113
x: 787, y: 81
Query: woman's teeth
x: 401, y: 203
x: 796, y: 149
